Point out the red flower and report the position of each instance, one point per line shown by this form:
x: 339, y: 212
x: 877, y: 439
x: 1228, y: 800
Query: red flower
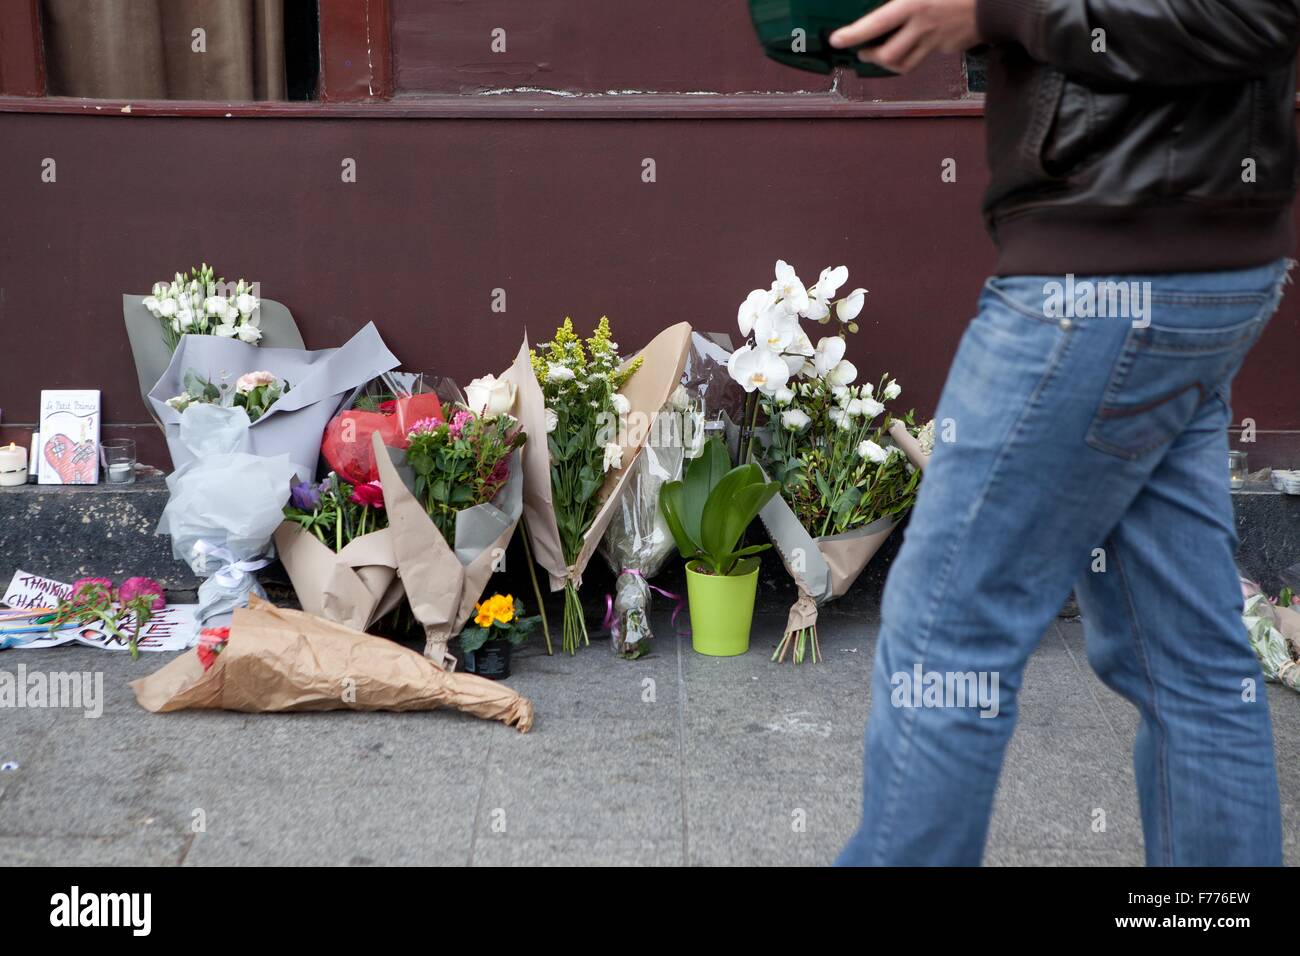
x: 212, y: 641
x: 389, y: 407
x: 371, y: 495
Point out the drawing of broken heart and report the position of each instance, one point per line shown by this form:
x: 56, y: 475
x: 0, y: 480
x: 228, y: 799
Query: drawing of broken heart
x: 74, y: 462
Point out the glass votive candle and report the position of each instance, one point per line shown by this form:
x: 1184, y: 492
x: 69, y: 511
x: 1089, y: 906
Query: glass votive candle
x: 118, y: 455
x: 1237, y: 469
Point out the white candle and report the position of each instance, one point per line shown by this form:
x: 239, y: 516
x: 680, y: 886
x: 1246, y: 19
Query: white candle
x: 13, y: 465
x: 120, y: 471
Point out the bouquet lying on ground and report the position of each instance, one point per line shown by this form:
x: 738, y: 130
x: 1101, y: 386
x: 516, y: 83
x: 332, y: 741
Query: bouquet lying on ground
x: 597, y: 411
x: 274, y: 659
x: 840, y: 457
x: 254, y: 392
x: 1273, y: 628
x: 202, y: 304
x: 124, y: 610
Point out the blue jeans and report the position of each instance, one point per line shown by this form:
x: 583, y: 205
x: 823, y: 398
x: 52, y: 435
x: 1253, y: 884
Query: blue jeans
x: 1087, y: 450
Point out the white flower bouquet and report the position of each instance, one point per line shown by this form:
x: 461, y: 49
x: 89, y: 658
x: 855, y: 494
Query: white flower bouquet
x: 200, y: 303
x: 847, y: 467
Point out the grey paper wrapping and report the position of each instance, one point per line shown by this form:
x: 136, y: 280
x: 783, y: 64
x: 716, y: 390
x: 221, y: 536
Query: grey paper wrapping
x: 319, y: 382
x: 442, y: 585
x: 281, y: 660
x: 647, y: 392
x: 224, y: 505
x: 152, y: 356
x: 355, y: 587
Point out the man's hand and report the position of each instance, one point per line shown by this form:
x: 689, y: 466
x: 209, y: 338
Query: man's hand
x: 923, y: 26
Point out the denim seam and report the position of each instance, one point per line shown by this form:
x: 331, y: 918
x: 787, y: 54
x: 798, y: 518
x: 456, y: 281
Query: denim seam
x: 1015, y: 306
x: 1164, y: 809
x: 927, y: 628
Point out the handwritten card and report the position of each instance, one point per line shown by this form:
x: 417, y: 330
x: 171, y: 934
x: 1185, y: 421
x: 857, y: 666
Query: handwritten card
x: 69, y: 438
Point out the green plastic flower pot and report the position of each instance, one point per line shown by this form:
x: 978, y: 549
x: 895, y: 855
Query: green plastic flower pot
x: 722, y: 608
x: 796, y: 33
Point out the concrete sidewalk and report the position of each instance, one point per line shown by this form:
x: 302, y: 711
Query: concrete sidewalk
x: 674, y: 758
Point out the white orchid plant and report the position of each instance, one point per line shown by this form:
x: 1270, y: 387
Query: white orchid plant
x: 827, y: 442
x: 202, y: 304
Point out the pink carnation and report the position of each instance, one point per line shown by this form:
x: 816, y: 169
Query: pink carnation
x: 148, y: 588
x: 85, y: 588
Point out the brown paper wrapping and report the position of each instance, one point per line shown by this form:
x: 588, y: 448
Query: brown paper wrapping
x: 442, y: 585
x: 840, y: 558
x: 356, y: 586
x: 663, y: 362
x: 284, y: 660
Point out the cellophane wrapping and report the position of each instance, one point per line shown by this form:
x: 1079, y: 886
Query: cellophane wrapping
x: 637, y: 541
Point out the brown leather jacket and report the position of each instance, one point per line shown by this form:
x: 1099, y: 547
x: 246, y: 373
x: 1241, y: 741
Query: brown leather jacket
x: 1140, y: 135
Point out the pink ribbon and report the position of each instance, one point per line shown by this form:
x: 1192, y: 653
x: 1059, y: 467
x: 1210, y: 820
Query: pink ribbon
x: 611, y: 618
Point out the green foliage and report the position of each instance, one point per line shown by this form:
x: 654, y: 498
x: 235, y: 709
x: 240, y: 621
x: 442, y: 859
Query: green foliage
x: 710, y: 509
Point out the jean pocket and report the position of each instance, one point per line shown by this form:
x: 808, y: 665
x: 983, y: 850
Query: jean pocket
x: 1161, y: 378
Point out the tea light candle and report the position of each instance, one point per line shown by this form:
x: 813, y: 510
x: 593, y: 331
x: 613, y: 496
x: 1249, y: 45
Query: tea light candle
x: 13, y: 465
x: 120, y: 471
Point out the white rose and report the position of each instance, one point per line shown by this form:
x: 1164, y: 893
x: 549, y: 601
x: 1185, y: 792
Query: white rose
x: 552, y: 420
x: 872, y: 452
x: 490, y: 396
x: 251, y: 380
x: 613, y: 456
x: 250, y: 334
x: 794, y: 419
x: 559, y: 373
x: 892, y: 391
x: 621, y: 405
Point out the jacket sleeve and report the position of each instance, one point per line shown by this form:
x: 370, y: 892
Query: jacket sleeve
x: 1149, y: 42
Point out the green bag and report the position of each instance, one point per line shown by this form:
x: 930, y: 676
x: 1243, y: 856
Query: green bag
x: 777, y: 23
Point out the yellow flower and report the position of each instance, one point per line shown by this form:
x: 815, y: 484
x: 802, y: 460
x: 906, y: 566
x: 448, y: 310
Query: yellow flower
x: 499, y: 607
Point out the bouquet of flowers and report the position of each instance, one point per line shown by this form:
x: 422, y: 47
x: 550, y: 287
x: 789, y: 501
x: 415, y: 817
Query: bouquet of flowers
x: 337, y: 549
x: 223, y: 508
x: 638, y: 540
x: 202, y: 304
x: 460, y: 463
x: 389, y: 406
x: 283, y: 421
x: 254, y: 392
x: 596, y: 411
x: 1273, y: 628
x: 273, y: 660
x: 840, y: 457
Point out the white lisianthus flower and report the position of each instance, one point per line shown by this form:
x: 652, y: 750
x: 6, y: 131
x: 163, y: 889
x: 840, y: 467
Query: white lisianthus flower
x: 866, y: 407
x: 893, y: 451
x: 828, y: 354
x: 681, y: 399
x: 246, y: 304
x: 249, y: 333
x: 215, y: 305
x: 841, y: 417
x: 179, y: 402
x: 559, y: 373
x: 151, y: 303
x: 849, y: 307
x: 872, y: 452
x: 489, y: 396
x: 185, y: 319
x: 758, y: 369
x: 757, y: 303
x: 843, y: 373
x: 794, y: 419
x: 167, y: 308
x: 892, y: 391
x: 159, y: 290
x: 783, y: 396
x: 552, y: 420
x: 621, y: 405
x: 226, y: 331
x: 794, y: 297
x: 613, y: 456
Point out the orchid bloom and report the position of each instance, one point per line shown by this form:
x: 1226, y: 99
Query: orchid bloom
x: 849, y: 307
x: 829, y: 353
x: 791, y: 290
x: 760, y: 369
x: 759, y: 302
